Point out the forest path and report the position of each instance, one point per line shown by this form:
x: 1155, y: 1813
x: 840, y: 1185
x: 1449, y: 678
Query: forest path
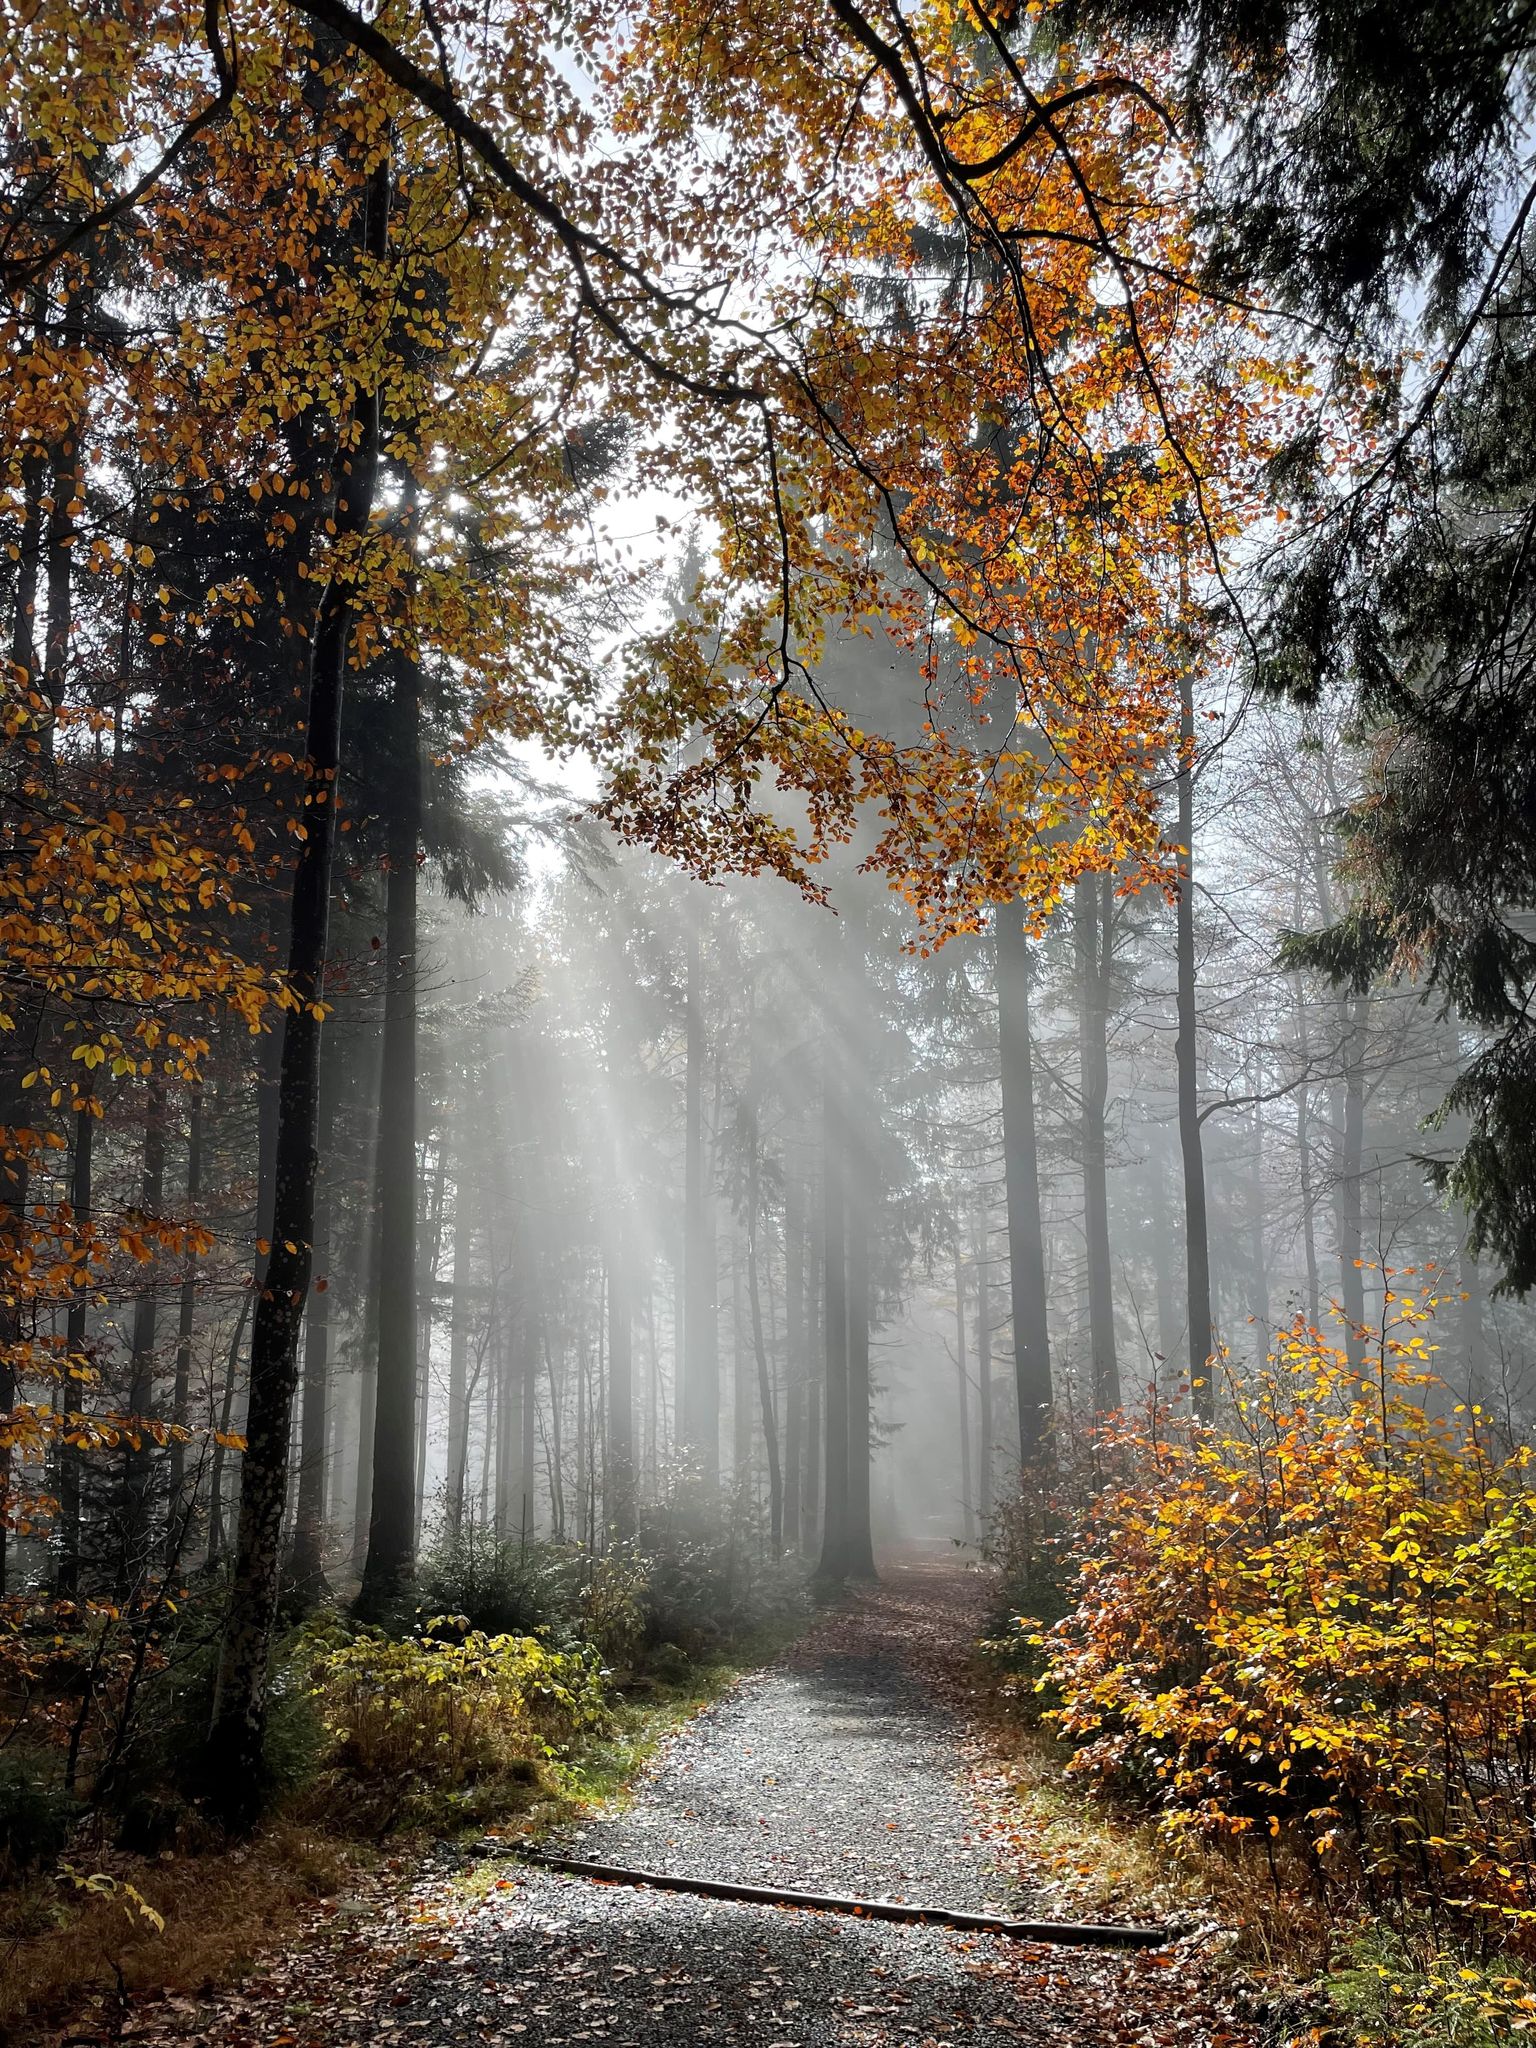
x: 842, y: 1767
x: 837, y: 1770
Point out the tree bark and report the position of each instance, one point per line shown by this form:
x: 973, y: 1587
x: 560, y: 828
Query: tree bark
x: 765, y: 1392
x: 458, y: 1354
x: 858, y: 1536
x: 138, y: 1463
x: 794, y: 1344
x: 240, y: 1712
x: 619, y: 1467
x: 699, y: 1405
x: 980, y: 1254
x: 1026, y: 1235
x: 833, y: 1565
x: 306, y: 1566
x: 1350, y: 1184
x: 1094, y: 933
x: 1197, y: 1250
x: 76, y: 1362
x: 181, y: 1392
x: 392, y: 1511
x: 963, y: 1390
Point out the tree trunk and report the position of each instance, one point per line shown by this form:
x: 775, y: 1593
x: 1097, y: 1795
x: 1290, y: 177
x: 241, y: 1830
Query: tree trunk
x: 743, y: 1395
x: 810, y: 1471
x: 764, y: 1379
x: 458, y: 1356
x: 619, y: 1466
x: 306, y: 1565
x: 794, y: 1345
x: 392, y: 1511
x: 980, y: 1256
x: 527, y: 1469
x: 699, y: 1394
x: 138, y: 1464
x: 1094, y: 936
x: 1026, y: 1235
x: 427, y: 1264
x: 216, y: 1545
x: 833, y: 1565
x: 181, y: 1394
x: 1197, y: 1250
x: 962, y: 1379
x: 858, y: 1534
x: 241, y: 1704
x: 1350, y: 1189
x: 1304, y: 1152
x: 1258, y: 1263
x: 77, y: 1363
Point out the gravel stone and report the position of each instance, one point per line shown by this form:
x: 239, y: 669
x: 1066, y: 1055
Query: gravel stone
x: 834, y: 1771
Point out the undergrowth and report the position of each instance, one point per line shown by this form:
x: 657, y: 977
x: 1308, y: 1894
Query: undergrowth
x: 1295, y: 1650
x: 381, y: 1741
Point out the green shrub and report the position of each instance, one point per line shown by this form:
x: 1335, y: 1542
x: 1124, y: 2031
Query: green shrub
x: 36, y: 1815
x: 452, y: 1713
x: 707, y: 1580
x: 501, y: 1588
x: 612, y: 1606
x: 1392, y: 1993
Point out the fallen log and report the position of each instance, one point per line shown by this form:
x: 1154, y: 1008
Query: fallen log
x: 1073, y: 1933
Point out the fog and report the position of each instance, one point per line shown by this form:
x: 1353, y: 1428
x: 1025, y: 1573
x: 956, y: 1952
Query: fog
x: 638, y: 1094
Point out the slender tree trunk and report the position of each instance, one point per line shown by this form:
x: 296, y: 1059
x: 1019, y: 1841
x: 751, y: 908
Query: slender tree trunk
x: 858, y: 1534
x: 765, y: 1385
x: 743, y: 1399
x: 216, y: 1545
x: 181, y: 1394
x: 962, y: 1378
x: 1197, y: 1250
x: 815, y: 1397
x: 1352, y: 1017
x: 306, y: 1564
x: 556, y: 1449
x: 428, y: 1260
x: 794, y: 1345
x: 1021, y: 1169
x: 458, y: 1354
x: 1093, y: 932
x: 619, y: 1509
x: 527, y: 1505
x: 980, y: 1255
x: 64, y: 490
x: 77, y: 1363
x: 1258, y: 1263
x: 833, y: 1565
x: 392, y: 1512
x: 138, y: 1467
x: 15, y: 1168
x: 699, y: 1393
x: 241, y: 1706
x: 1304, y: 1156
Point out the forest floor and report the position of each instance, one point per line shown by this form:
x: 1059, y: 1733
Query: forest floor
x: 850, y: 1765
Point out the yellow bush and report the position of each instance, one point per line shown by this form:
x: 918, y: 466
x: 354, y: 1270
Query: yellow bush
x: 1319, y: 1622
x: 453, y: 1711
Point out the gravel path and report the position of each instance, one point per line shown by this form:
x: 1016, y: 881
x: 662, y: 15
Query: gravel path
x: 837, y: 1770
x: 840, y: 1768
x: 836, y: 1773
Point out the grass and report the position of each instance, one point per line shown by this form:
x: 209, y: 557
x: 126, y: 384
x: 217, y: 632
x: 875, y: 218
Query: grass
x: 64, y: 1947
